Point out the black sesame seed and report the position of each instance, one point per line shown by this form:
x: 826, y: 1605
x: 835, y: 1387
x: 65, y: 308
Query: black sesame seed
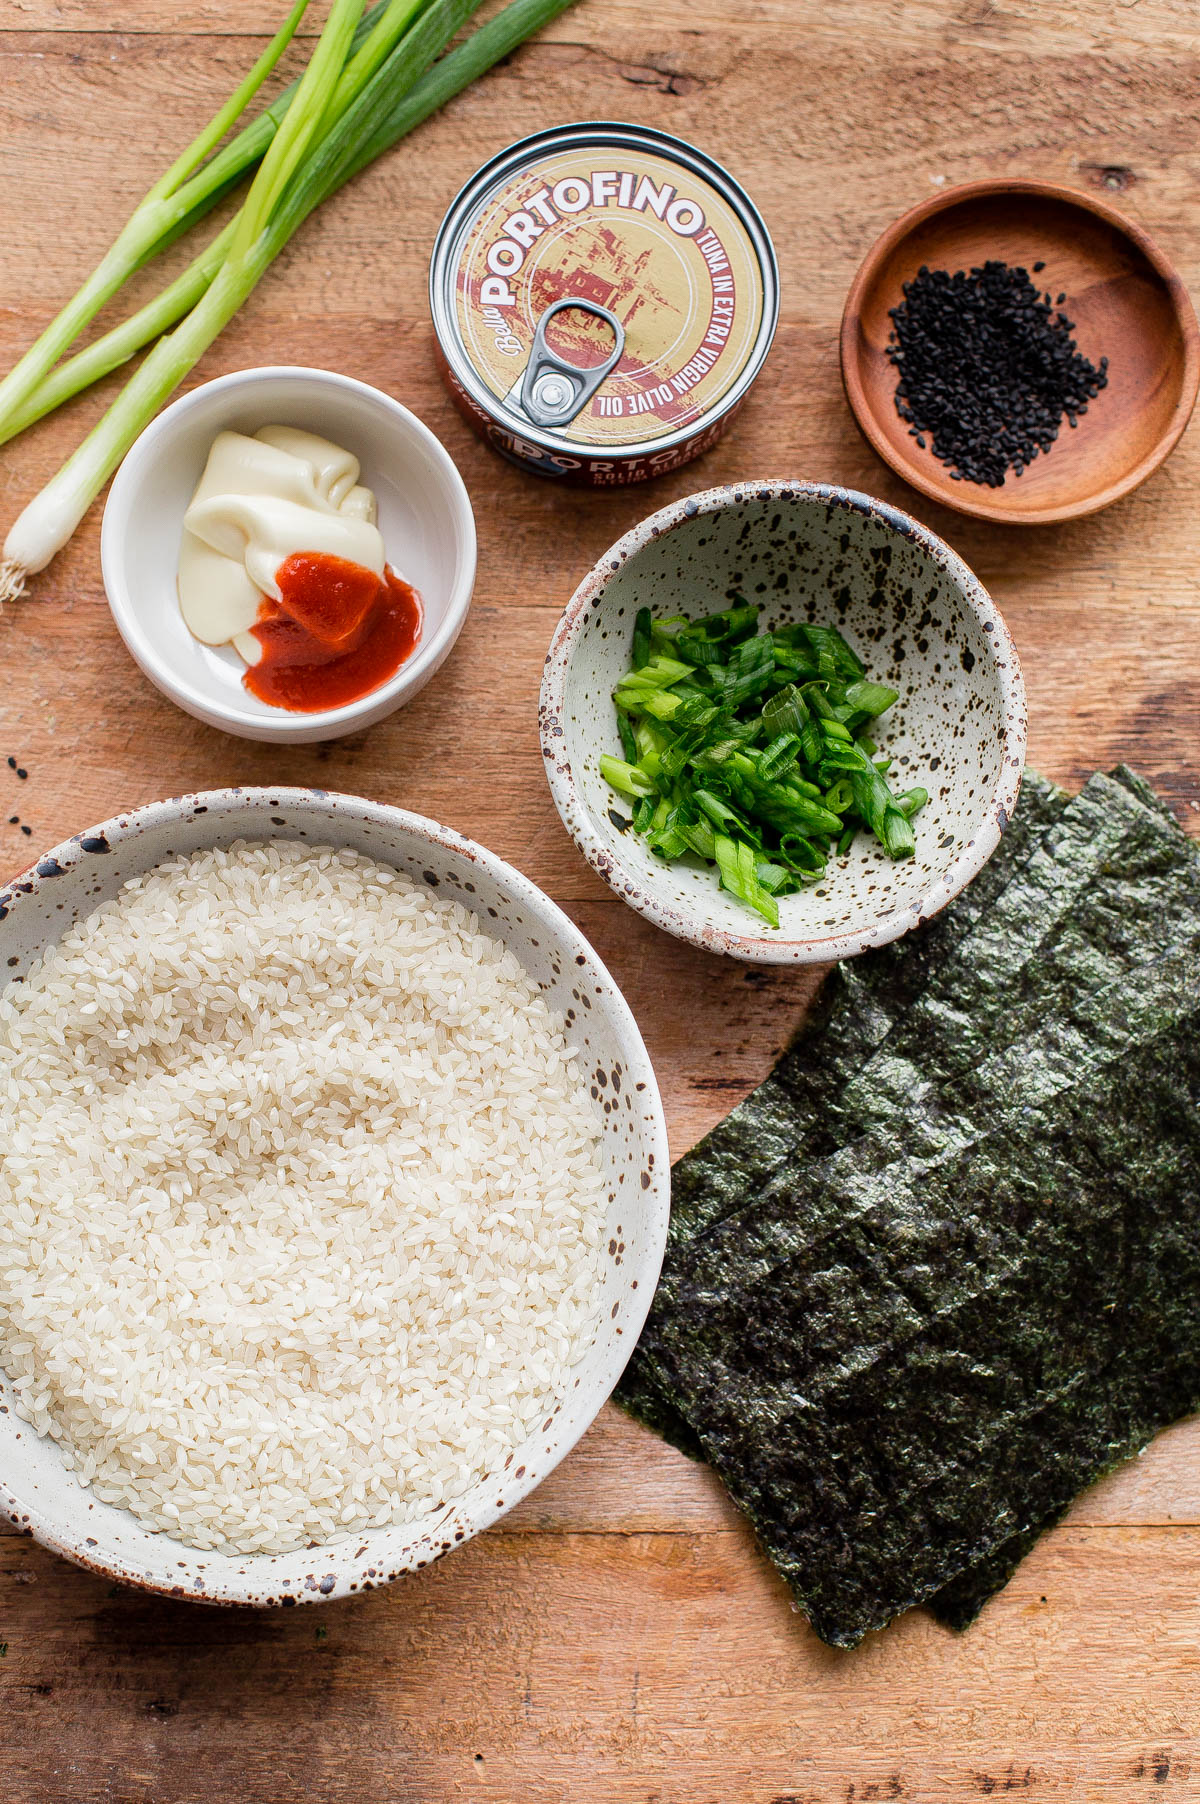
x: 987, y: 370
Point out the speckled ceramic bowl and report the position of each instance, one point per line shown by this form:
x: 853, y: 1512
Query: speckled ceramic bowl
x: 39, y: 1495
x: 920, y: 621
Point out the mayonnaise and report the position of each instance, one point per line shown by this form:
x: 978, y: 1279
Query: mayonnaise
x: 259, y: 501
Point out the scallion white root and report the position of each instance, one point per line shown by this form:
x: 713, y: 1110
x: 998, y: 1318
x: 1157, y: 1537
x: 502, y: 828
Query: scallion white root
x: 13, y: 581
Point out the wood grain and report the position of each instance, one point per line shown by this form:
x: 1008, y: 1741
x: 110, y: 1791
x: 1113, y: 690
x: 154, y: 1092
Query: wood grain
x: 618, y: 1638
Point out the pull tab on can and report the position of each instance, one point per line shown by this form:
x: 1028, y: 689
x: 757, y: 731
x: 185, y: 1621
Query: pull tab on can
x: 553, y: 391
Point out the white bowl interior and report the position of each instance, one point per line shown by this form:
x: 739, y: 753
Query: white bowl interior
x: 424, y: 516
x: 39, y: 1494
x: 920, y: 623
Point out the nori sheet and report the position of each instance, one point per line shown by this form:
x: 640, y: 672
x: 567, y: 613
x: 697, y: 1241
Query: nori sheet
x: 901, y: 1390
x: 1144, y: 876
x: 1125, y: 1015
x: 820, y: 1095
x: 857, y: 1008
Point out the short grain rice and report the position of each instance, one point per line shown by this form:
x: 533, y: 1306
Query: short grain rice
x: 300, y: 1199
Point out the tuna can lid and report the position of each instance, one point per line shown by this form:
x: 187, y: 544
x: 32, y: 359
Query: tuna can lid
x: 604, y: 286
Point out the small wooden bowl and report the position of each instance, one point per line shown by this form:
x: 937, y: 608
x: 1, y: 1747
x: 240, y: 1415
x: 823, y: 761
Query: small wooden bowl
x: 1127, y: 303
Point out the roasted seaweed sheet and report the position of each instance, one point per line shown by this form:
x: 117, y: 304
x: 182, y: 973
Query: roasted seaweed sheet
x: 1068, y: 972
x: 909, y: 1380
x: 956, y: 978
x: 781, y: 1120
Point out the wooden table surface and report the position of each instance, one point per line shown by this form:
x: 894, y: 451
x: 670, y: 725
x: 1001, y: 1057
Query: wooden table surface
x: 617, y: 1637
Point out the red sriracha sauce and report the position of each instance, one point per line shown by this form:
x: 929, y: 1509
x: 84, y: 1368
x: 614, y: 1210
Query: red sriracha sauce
x: 337, y: 632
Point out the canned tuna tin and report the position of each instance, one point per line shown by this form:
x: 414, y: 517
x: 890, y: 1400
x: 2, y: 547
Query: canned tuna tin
x: 603, y: 297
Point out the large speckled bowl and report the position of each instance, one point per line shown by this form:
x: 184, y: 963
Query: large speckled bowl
x: 40, y: 1495
x: 919, y: 620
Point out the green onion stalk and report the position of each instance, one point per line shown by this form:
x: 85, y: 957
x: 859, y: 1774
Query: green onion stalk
x: 153, y: 221
x: 340, y: 118
x: 185, y: 194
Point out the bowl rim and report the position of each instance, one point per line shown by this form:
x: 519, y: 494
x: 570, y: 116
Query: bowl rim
x: 393, y: 1550
x: 947, y: 494
x: 757, y: 948
x: 123, y: 498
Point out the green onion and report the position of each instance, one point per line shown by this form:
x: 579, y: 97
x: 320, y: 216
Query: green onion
x: 193, y: 202
x: 151, y: 222
x: 739, y: 875
x: 719, y: 812
x: 839, y: 797
x: 733, y: 761
x: 345, y: 118
x: 786, y: 712
x: 711, y: 639
x: 778, y: 757
x: 700, y: 837
x: 630, y: 779
x: 641, y: 639
x: 801, y: 854
x: 870, y: 698
x: 748, y: 672
x: 172, y: 207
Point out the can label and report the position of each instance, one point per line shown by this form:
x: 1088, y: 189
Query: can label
x: 634, y: 232
x: 591, y: 470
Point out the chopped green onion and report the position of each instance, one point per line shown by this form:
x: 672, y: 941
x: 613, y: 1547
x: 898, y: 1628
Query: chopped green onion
x: 779, y: 756
x: 825, y: 645
x: 773, y: 877
x: 628, y: 778
x: 839, y: 796
x: 732, y: 760
x: 650, y: 739
x: 911, y: 801
x: 801, y: 854
x: 747, y: 673
x: 700, y: 838
x: 739, y: 875
x: 870, y: 698
x: 710, y: 639
x: 817, y: 699
x: 641, y: 639
x: 786, y: 712
x: 659, y: 702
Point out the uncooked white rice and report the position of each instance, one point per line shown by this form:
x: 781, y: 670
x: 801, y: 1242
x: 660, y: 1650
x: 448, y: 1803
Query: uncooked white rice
x: 300, y: 1199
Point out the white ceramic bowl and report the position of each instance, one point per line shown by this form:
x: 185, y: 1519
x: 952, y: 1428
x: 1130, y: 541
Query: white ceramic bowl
x: 424, y: 514
x: 920, y: 621
x: 40, y: 1495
